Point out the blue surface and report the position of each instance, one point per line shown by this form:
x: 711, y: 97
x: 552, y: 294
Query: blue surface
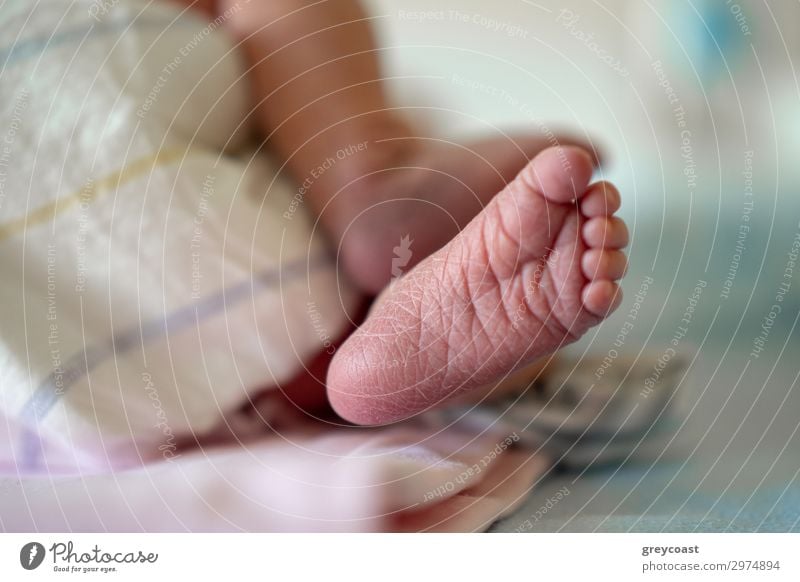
x: 730, y: 458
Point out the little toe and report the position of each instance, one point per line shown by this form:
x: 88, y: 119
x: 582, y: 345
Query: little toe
x: 604, y: 264
x: 607, y: 232
x: 601, y: 297
x: 602, y: 199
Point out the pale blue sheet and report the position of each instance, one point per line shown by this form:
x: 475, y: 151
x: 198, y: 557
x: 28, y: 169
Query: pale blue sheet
x: 733, y: 463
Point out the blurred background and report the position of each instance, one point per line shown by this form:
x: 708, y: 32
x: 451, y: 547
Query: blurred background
x: 695, y: 105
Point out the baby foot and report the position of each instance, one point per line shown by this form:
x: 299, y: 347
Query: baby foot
x: 425, y: 195
x: 531, y: 273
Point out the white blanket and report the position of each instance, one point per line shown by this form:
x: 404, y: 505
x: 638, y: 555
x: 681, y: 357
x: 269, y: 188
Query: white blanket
x: 151, y: 281
x: 157, y: 273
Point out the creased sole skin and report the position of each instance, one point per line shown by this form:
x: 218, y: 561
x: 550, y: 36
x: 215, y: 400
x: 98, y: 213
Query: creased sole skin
x: 531, y: 273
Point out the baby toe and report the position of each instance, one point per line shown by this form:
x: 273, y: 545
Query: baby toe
x: 605, y: 232
x: 600, y: 298
x: 560, y: 174
x: 604, y: 264
x: 602, y: 199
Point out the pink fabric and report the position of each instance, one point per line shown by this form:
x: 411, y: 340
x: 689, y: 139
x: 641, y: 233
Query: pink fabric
x: 311, y: 477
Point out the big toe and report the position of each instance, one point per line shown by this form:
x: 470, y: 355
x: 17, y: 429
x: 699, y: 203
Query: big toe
x: 560, y: 174
x: 524, y: 221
